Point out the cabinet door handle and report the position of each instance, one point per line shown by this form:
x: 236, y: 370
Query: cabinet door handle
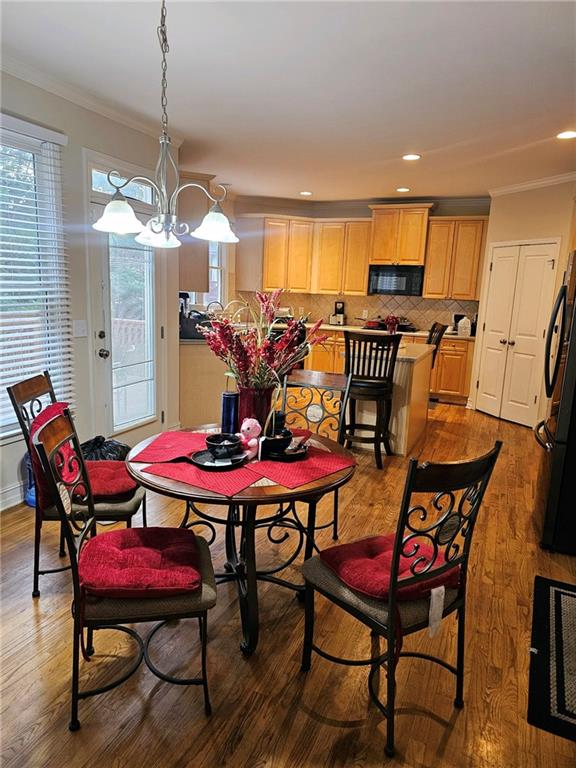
x: 503, y: 341
x: 511, y: 343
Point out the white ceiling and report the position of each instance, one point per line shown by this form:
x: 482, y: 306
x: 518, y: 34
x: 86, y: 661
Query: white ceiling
x: 276, y: 98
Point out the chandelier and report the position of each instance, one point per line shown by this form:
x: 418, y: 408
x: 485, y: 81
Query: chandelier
x: 163, y: 229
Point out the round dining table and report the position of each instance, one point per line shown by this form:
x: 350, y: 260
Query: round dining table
x: 242, y: 517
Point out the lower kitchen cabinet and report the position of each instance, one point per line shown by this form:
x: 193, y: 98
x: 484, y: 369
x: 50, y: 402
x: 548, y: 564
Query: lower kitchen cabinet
x: 450, y: 378
x: 327, y: 357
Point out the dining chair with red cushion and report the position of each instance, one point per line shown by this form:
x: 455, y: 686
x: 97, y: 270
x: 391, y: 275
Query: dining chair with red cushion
x: 400, y: 583
x: 123, y: 576
x: 116, y: 495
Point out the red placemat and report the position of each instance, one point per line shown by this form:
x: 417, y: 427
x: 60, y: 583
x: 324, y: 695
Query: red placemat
x: 171, y: 445
x: 317, y: 464
x: 228, y: 483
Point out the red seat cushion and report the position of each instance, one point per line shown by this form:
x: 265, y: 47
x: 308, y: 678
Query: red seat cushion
x: 110, y: 481
x: 365, y: 565
x: 140, y: 562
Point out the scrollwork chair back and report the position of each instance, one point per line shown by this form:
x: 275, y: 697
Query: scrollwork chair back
x: 437, y: 518
x: 29, y: 397
x: 59, y: 450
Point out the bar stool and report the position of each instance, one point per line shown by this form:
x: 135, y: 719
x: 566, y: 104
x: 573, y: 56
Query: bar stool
x: 370, y: 362
x: 435, y: 337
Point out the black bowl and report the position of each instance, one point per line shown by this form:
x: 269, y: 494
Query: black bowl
x: 223, y: 445
x: 278, y: 443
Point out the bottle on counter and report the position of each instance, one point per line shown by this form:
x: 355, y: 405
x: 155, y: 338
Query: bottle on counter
x: 464, y: 327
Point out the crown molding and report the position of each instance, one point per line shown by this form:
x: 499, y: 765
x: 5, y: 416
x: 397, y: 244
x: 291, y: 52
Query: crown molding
x: 547, y: 181
x: 16, y: 68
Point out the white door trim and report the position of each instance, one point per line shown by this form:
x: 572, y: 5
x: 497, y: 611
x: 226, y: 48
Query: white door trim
x: 554, y: 241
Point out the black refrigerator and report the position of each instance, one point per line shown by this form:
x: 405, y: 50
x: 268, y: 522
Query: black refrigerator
x: 556, y: 485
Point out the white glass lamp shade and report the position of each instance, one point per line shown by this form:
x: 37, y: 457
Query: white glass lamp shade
x: 118, y: 217
x: 157, y: 239
x: 215, y: 227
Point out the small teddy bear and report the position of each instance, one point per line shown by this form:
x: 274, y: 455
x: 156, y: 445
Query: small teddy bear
x: 249, y: 433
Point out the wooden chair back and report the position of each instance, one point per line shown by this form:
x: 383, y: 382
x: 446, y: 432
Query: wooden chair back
x: 59, y: 450
x: 371, y: 357
x: 437, y: 518
x: 435, y: 335
x: 29, y: 397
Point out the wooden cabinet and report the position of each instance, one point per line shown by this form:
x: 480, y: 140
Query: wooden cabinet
x: 299, y: 256
x: 273, y: 253
x: 274, y: 272
x: 399, y: 234
x: 328, y: 257
x: 451, y: 373
x: 453, y: 254
x: 193, y: 253
x: 327, y: 357
x: 356, y: 257
x: 340, y: 257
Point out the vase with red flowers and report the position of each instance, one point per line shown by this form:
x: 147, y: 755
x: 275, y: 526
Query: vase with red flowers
x: 259, y: 350
x: 391, y: 323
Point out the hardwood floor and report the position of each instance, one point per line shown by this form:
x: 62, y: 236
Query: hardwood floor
x: 266, y: 713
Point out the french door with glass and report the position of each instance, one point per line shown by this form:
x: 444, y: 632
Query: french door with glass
x: 127, y: 332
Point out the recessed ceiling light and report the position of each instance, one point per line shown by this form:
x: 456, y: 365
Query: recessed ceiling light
x: 567, y: 135
x: 411, y: 157
x: 306, y: 194
x: 403, y: 189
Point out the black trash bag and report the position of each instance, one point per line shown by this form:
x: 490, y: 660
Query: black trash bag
x: 100, y: 449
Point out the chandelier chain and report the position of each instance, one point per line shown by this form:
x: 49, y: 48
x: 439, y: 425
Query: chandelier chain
x: 164, y: 47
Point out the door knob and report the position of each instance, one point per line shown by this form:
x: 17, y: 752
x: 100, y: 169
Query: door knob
x: 511, y: 343
x: 104, y: 353
x: 503, y: 341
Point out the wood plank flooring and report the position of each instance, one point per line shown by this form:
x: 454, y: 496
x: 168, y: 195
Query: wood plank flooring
x: 266, y: 713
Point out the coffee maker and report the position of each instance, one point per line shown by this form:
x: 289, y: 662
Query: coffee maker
x: 338, y: 318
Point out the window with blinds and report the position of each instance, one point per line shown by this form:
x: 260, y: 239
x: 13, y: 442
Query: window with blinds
x: 35, y: 323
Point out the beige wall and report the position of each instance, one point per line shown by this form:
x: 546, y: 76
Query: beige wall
x: 86, y: 129
x: 534, y: 215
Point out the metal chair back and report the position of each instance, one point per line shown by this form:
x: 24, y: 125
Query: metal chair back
x: 29, y: 397
x: 437, y: 518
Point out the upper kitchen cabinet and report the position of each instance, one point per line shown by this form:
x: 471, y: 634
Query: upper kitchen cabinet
x: 328, y: 257
x: 299, y: 256
x: 273, y: 252
x: 193, y: 253
x: 340, y: 257
x: 399, y: 233
x: 275, y: 266
x: 453, y: 255
x: 356, y: 257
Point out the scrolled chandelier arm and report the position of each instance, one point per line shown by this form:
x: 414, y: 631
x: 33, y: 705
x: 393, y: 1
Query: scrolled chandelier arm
x: 164, y: 228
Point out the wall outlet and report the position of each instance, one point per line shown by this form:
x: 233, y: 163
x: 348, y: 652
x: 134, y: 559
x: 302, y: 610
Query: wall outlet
x: 301, y: 311
x: 365, y: 314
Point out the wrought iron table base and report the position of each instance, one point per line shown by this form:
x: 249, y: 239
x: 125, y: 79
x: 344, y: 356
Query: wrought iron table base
x: 240, y: 565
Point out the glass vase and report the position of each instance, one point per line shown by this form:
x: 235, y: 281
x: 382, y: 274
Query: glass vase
x: 254, y: 404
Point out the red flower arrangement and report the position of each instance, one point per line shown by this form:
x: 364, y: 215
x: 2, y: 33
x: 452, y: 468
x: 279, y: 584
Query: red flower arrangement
x: 259, y: 353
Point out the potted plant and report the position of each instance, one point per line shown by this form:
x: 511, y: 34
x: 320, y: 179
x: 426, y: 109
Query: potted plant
x: 259, y: 351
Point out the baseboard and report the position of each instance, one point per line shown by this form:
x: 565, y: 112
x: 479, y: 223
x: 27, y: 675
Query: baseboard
x: 11, y: 496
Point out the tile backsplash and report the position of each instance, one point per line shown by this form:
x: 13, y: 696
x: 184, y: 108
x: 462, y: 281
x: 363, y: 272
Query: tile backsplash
x: 421, y: 312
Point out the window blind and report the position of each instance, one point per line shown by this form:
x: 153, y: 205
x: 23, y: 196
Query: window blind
x: 35, y: 322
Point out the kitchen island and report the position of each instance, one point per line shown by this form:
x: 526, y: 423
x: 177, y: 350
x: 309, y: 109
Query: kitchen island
x: 202, y: 381
x: 409, y: 399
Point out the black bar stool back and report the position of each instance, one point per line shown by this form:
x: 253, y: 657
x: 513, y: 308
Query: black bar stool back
x: 370, y: 362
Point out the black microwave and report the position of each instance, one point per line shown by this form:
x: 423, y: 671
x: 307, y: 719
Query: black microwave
x: 396, y: 280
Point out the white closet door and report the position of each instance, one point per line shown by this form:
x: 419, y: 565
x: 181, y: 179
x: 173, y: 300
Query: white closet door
x: 496, y: 334
x: 524, y: 364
